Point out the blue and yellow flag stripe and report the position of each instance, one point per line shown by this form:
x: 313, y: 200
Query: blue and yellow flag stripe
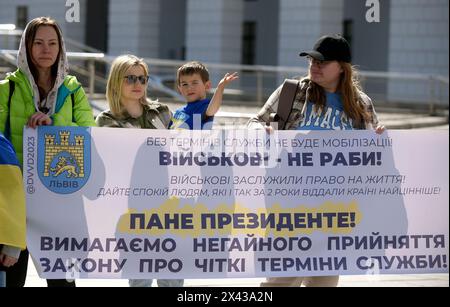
x: 12, y: 198
x: 7, y: 153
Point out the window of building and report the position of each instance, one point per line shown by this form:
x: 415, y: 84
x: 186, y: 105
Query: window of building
x: 21, y: 17
x: 248, y: 43
x: 348, y: 30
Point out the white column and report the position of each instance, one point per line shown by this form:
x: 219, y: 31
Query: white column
x: 418, y: 43
x: 134, y: 27
x: 214, y: 30
x: 302, y: 22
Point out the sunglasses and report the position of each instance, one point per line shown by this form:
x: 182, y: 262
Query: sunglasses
x: 132, y: 79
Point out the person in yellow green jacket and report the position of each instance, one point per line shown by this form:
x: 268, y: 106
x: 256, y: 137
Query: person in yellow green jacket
x: 12, y: 209
x: 43, y: 90
x: 40, y: 92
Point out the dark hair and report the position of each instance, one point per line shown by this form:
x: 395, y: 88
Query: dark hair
x: 30, y: 35
x: 191, y: 68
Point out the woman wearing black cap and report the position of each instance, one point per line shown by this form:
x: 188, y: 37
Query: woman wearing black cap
x: 330, y: 91
x: 329, y: 98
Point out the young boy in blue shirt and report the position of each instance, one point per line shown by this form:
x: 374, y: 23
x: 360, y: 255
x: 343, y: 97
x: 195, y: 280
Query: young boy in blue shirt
x: 193, y: 84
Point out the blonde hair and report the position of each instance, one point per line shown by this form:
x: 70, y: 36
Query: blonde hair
x: 116, y: 77
x: 349, y: 87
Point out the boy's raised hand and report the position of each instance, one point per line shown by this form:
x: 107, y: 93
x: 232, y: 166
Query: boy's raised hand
x: 216, y: 100
x: 228, y: 78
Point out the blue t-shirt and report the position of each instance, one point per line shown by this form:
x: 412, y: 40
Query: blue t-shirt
x: 192, y: 116
x: 332, y: 117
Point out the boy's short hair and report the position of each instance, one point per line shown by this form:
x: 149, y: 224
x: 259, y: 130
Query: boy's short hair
x: 191, y: 68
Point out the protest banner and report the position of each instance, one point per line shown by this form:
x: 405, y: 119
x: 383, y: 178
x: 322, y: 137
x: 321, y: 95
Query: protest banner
x: 127, y: 203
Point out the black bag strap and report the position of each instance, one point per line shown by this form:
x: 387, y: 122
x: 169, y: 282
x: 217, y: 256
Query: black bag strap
x: 12, y: 86
x: 72, y: 96
x: 287, y: 97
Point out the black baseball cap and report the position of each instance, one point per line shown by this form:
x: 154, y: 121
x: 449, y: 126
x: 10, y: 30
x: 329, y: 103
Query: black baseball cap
x: 330, y: 48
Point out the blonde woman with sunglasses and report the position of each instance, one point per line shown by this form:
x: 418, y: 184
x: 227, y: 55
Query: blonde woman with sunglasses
x: 126, y: 93
x: 129, y: 107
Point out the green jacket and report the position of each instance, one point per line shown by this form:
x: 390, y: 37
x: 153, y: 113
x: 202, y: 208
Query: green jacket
x: 22, y: 107
x: 155, y: 116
